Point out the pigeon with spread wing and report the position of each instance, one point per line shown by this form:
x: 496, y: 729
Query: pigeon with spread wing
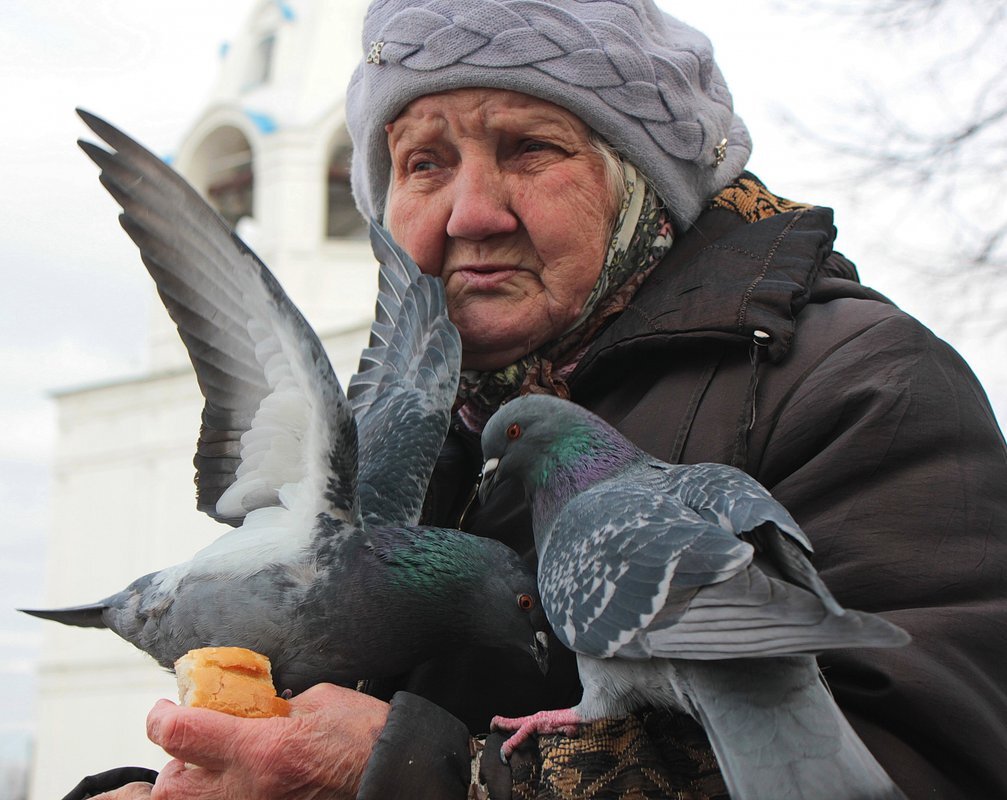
x: 326, y: 570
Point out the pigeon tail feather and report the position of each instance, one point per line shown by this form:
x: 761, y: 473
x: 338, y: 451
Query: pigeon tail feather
x: 91, y: 615
x: 777, y: 732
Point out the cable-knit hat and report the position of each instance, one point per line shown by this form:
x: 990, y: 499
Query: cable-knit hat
x: 642, y: 79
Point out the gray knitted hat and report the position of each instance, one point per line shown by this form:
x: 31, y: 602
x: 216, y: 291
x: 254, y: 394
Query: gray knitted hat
x: 643, y: 80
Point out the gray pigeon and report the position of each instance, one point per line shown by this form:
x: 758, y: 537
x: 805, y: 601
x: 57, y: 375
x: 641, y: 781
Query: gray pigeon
x: 326, y: 571
x: 684, y: 587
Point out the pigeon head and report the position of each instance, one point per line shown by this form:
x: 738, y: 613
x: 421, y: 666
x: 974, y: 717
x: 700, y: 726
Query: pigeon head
x: 507, y: 606
x: 460, y: 590
x: 551, y: 447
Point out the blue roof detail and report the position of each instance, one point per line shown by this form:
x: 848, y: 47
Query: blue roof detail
x: 286, y: 9
x: 263, y: 121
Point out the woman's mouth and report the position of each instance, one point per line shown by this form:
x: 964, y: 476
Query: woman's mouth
x: 484, y: 277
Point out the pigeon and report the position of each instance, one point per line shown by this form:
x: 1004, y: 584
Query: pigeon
x: 324, y: 569
x: 687, y: 588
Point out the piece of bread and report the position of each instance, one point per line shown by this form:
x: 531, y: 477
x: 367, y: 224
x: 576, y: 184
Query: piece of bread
x: 229, y: 679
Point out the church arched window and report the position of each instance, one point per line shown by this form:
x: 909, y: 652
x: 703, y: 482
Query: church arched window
x: 222, y: 168
x: 342, y: 217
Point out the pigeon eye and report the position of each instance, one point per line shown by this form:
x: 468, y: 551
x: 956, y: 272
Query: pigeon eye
x: 525, y: 602
x: 513, y: 431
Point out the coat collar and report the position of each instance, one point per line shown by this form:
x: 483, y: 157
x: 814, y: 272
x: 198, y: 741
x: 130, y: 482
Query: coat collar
x: 725, y: 279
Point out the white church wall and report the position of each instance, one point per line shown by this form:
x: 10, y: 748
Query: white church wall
x: 124, y: 507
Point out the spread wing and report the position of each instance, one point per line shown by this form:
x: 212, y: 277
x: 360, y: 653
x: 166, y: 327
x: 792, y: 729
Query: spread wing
x: 404, y: 388
x: 277, y: 430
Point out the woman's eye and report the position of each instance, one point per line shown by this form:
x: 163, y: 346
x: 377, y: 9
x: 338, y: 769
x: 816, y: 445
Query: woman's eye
x: 533, y: 146
x: 420, y: 160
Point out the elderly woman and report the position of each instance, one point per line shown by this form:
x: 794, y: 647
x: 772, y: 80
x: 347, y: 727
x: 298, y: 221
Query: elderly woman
x: 573, y: 171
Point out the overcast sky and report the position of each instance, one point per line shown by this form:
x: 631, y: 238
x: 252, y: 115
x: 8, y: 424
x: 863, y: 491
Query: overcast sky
x: 75, y: 300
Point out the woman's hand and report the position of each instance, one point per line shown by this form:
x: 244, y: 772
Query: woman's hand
x: 319, y: 751
x: 131, y: 791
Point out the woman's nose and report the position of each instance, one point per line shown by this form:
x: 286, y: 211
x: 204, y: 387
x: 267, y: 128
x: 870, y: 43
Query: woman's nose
x: 481, y: 204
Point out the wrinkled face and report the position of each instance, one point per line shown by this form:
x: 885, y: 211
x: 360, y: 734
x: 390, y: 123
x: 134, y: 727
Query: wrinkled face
x: 506, y: 199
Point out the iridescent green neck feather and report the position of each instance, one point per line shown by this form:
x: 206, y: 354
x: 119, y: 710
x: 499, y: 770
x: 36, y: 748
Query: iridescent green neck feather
x: 581, y: 456
x: 438, y: 561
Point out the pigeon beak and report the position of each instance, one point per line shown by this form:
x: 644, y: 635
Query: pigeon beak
x: 486, y: 479
x: 540, y: 650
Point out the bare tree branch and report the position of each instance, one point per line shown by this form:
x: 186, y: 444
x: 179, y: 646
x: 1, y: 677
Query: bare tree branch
x: 943, y: 139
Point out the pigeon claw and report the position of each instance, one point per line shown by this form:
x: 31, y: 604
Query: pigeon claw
x: 563, y: 720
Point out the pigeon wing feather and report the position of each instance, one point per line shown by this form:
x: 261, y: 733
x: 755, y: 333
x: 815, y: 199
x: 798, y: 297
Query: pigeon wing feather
x: 405, y: 386
x: 645, y: 552
x: 397, y: 271
x: 277, y: 429
x: 741, y: 505
x: 655, y: 578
